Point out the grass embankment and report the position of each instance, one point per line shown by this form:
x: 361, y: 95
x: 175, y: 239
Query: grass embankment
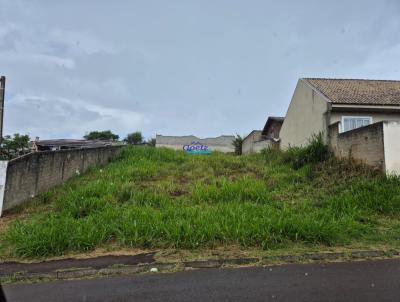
x: 159, y: 198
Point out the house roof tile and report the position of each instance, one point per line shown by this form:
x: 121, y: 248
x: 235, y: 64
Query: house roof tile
x: 358, y: 92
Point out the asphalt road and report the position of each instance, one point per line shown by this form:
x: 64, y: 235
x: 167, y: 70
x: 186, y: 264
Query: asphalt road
x: 356, y: 281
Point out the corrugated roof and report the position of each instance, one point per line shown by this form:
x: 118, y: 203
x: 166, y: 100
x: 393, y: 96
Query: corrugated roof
x: 358, y: 92
x: 71, y: 142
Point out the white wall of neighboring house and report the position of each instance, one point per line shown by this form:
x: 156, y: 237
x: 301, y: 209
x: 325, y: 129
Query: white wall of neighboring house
x: 310, y: 112
x: 391, y: 131
x: 336, y: 116
x: 306, y: 116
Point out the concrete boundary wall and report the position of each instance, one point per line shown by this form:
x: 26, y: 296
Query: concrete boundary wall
x: 221, y: 143
x: 27, y: 176
x: 376, y: 145
x: 364, y: 145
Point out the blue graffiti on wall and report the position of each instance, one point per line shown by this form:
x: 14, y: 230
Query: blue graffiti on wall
x: 196, y: 148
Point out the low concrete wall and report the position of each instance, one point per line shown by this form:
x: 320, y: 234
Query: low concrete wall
x: 221, y: 143
x: 27, y: 176
x: 364, y: 145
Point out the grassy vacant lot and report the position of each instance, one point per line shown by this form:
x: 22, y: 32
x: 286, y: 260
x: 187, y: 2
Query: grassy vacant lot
x: 159, y: 198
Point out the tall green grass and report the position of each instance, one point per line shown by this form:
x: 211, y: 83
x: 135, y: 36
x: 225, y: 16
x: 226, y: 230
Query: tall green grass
x: 161, y: 198
x: 182, y: 227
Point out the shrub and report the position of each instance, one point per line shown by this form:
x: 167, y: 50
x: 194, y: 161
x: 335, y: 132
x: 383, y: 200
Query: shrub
x: 237, y: 143
x: 316, y: 151
x: 134, y: 138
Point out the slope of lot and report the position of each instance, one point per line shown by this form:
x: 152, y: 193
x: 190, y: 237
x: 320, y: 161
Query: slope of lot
x: 152, y: 198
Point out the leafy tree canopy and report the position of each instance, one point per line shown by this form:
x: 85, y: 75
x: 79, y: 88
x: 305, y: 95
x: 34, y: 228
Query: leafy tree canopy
x: 101, y: 135
x: 13, y: 146
x: 18, y: 141
x: 134, y: 138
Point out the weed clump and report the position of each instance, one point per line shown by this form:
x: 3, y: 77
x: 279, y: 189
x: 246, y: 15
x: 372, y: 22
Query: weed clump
x: 316, y: 151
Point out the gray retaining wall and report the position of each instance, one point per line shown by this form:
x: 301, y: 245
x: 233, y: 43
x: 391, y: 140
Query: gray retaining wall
x: 25, y: 177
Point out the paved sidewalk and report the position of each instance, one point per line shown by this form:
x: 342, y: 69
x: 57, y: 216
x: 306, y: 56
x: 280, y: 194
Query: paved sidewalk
x: 141, y: 263
x: 96, y: 263
x: 355, y: 281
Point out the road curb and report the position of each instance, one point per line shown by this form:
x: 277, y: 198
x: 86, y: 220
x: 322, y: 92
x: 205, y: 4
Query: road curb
x: 115, y: 270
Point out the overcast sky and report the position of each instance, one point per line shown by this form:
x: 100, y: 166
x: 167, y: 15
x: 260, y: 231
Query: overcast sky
x: 181, y: 67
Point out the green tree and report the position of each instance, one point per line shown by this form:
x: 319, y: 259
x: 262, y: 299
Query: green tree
x: 101, y: 135
x: 14, y: 146
x: 237, y: 143
x: 134, y: 138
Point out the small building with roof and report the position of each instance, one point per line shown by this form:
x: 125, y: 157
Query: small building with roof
x: 63, y: 144
x: 318, y: 103
x: 357, y: 118
x: 258, y: 140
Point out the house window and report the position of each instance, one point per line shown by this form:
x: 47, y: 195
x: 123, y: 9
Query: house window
x: 353, y: 122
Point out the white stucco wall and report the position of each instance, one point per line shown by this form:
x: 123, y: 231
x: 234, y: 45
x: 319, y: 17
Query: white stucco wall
x: 391, y: 132
x: 306, y: 116
x: 376, y: 116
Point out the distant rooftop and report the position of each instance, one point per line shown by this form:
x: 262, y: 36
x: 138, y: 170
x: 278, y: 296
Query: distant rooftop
x: 51, y: 144
x: 273, y: 120
x: 358, y: 92
x: 276, y: 118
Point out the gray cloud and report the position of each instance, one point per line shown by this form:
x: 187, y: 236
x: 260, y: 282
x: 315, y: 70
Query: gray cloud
x: 180, y: 67
x: 52, y: 117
